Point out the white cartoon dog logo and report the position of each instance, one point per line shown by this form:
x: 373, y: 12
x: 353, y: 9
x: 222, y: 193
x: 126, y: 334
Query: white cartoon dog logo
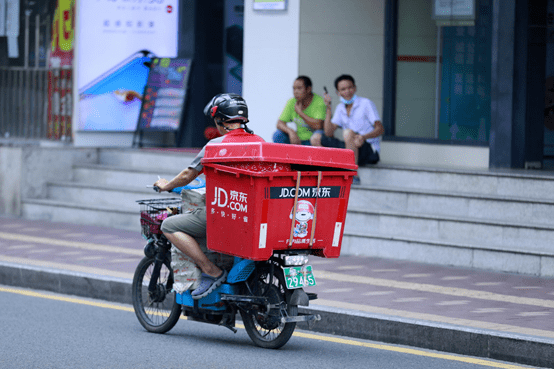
x: 304, y: 213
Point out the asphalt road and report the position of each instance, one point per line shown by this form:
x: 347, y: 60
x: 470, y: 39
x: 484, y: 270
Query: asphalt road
x: 45, y: 330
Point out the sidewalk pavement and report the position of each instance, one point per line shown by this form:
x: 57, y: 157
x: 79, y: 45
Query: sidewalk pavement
x: 472, y: 312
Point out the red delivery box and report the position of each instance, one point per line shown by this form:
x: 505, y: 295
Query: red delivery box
x: 262, y: 197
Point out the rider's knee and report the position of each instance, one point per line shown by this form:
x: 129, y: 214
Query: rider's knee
x: 167, y: 226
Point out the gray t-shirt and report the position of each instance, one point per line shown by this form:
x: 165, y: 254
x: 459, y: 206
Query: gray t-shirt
x: 197, y: 161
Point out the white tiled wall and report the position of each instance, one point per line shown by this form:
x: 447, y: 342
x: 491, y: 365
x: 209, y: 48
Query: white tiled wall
x: 344, y: 36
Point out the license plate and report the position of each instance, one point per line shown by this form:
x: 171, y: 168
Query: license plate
x: 298, y: 277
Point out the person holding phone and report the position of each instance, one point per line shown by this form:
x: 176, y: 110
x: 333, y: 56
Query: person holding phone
x: 360, y: 121
x: 306, y: 110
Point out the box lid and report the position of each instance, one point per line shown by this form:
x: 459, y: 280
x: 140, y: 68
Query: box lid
x: 279, y: 153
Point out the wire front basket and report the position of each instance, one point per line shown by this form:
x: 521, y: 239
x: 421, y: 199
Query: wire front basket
x: 153, y: 212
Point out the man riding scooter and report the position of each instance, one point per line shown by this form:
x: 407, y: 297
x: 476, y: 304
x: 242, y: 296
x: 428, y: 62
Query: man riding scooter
x: 230, y: 115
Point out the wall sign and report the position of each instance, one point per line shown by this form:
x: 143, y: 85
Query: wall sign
x: 454, y: 12
x: 270, y: 4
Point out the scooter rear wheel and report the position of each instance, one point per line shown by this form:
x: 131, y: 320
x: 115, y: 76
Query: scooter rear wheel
x: 156, y: 311
x: 264, y: 327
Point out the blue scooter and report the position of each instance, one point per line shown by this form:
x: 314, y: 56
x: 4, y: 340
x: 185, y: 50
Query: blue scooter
x: 265, y: 293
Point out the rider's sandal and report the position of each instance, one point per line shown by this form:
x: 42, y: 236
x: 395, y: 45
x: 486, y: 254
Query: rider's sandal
x: 207, y: 285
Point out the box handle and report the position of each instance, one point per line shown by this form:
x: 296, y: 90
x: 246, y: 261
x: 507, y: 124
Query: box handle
x: 315, y: 208
x: 294, y: 208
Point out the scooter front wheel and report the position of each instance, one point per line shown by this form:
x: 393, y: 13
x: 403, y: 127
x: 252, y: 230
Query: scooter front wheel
x: 264, y: 327
x: 157, y: 311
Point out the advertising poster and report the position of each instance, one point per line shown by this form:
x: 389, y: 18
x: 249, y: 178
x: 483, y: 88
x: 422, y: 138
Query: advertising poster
x: 164, y: 95
x: 61, y: 48
x: 117, y: 40
x: 60, y: 75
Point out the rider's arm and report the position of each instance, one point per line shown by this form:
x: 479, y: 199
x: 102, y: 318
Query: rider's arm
x: 181, y: 179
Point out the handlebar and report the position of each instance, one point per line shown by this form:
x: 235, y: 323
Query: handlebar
x: 196, y: 183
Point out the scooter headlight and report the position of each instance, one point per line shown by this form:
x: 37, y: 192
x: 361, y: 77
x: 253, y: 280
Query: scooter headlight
x: 295, y: 260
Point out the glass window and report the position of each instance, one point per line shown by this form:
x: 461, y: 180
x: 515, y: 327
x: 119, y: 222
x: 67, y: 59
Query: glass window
x: 442, y: 75
x: 416, y: 70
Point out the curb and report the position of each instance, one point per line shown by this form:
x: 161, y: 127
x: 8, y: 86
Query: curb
x: 521, y: 349
x: 66, y: 282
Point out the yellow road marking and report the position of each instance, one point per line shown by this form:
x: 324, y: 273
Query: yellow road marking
x: 451, y: 291
x: 460, y: 292
x: 311, y: 336
x: 74, y: 244
x: 324, y: 302
x: 404, y: 350
x: 73, y: 300
x: 67, y: 267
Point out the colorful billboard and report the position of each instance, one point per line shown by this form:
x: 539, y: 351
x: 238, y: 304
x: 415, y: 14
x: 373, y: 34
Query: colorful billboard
x: 117, y: 40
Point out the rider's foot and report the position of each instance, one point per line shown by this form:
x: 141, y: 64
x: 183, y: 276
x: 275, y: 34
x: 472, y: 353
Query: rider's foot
x: 207, y: 285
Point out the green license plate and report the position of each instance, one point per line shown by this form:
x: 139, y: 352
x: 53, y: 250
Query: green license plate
x: 298, y: 277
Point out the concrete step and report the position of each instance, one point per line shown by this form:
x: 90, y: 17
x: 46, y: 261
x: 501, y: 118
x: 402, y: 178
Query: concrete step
x: 109, y: 197
x: 526, y: 184
x: 483, y: 256
x: 479, y: 206
x: 479, y: 219
x: 521, y: 237
x: 72, y: 212
x: 102, y: 175
x: 167, y: 160
x: 415, y: 248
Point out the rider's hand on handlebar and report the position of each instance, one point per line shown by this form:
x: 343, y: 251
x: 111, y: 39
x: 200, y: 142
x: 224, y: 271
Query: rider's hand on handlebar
x: 161, y: 183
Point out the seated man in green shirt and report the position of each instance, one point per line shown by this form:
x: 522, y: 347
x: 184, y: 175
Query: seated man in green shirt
x: 306, y: 110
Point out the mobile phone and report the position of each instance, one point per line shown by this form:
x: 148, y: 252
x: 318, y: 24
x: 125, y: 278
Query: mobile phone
x: 325, y: 89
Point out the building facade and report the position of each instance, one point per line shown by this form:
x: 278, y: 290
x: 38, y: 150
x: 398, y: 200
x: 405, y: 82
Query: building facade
x: 454, y: 91
x: 466, y: 84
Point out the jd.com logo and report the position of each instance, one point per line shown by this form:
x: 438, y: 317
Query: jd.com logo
x: 236, y: 201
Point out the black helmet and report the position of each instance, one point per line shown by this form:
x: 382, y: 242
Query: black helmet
x: 228, y: 107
